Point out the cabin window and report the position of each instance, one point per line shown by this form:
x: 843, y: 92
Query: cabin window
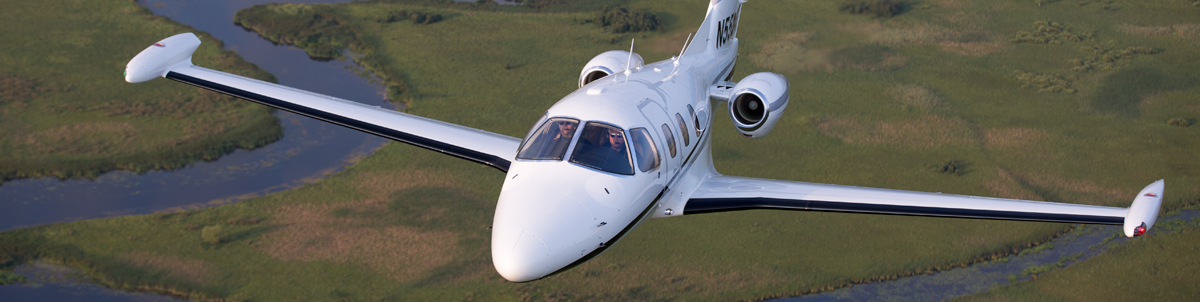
x: 683, y: 130
x: 603, y: 147
x: 550, y: 141
x: 644, y: 149
x: 695, y: 120
x: 670, y: 139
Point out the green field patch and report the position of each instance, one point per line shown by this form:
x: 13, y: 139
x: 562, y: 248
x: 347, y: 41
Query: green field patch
x: 1051, y: 33
x: 10, y: 277
x: 916, y: 96
x: 1181, y: 122
x: 1157, y: 267
x: 1104, y: 58
x: 875, y: 8
x: 789, y: 52
x: 16, y: 90
x: 67, y: 112
x: 623, y: 20
x: 319, y: 30
x: 953, y: 167
x: 1121, y: 92
x: 1184, y: 31
x: 1046, y: 82
x: 867, y: 57
x: 924, y: 132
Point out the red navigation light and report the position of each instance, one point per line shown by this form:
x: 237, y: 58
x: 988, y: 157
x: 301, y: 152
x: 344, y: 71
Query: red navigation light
x: 1141, y: 229
x: 159, y: 45
x: 1151, y: 194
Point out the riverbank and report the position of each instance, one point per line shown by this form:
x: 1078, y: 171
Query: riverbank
x: 412, y: 224
x: 68, y: 113
x: 1159, y: 267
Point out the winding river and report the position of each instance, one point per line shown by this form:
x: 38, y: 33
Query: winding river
x: 311, y: 150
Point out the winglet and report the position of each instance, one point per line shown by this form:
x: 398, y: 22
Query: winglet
x: 1144, y: 210
x: 161, y: 57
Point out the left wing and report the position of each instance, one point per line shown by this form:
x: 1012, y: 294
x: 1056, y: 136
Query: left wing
x: 171, y: 58
x: 720, y: 193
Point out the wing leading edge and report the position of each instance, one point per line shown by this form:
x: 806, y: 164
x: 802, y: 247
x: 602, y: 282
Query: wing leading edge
x: 725, y: 193
x: 171, y: 58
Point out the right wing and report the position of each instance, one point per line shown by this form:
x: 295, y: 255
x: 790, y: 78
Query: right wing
x: 171, y: 58
x: 719, y: 193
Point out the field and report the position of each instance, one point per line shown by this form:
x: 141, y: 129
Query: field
x: 1067, y: 101
x: 67, y: 112
x: 1159, y: 267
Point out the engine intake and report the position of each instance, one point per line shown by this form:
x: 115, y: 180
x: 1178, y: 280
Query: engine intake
x: 608, y: 63
x: 757, y: 102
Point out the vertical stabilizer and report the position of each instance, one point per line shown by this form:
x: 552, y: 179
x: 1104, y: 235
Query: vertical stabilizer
x: 719, y: 30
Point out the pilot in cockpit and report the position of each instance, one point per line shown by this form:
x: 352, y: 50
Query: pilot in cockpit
x: 616, y: 140
x: 550, y: 141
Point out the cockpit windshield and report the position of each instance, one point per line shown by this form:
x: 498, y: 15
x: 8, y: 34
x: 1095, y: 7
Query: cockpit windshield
x: 550, y: 141
x: 603, y: 147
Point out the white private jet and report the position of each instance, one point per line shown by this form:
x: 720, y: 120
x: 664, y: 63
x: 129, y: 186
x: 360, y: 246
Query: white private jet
x: 632, y: 142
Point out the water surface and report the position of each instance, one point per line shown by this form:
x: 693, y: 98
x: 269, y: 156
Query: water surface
x: 309, y: 149
x: 1068, y: 249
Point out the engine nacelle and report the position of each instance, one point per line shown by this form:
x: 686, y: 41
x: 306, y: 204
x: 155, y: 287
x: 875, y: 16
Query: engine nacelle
x: 607, y: 63
x: 756, y: 103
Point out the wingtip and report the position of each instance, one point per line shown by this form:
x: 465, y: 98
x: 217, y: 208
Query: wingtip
x: 160, y: 57
x: 1144, y: 210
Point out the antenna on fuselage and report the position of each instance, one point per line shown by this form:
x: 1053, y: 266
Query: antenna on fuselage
x: 630, y: 59
x: 685, y: 45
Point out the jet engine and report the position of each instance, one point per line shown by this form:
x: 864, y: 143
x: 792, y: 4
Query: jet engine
x: 607, y: 63
x: 756, y: 103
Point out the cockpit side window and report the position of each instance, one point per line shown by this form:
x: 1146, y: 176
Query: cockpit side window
x: 535, y: 128
x: 550, y: 141
x: 603, y: 147
x: 644, y: 149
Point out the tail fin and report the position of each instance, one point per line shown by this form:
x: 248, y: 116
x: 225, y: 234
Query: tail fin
x: 719, y: 30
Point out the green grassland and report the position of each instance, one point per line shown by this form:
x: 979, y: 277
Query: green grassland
x: 65, y: 108
x: 1159, y: 267
x: 881, y: 102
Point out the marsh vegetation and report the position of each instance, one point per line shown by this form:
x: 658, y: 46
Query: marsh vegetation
x: 1163, y: 262
x: 622, y: 20
x: 67, y: 112
x: 410, y: 224
x: 876, y: 8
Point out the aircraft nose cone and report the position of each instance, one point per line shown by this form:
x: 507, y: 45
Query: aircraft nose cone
x: 525, y: 260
